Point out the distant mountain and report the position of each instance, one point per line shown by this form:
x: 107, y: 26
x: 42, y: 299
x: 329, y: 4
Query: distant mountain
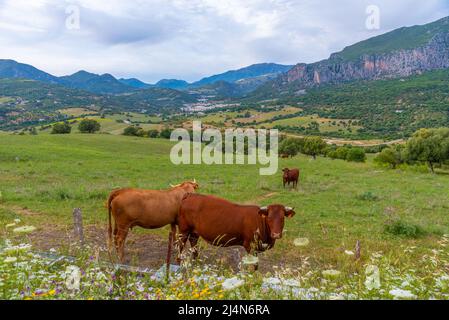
x: 172, y: 84
x: 255, y: 70
x: 103, y: 84
x: 13, y: 69
x: 135, y: 83
x: 399, y: 53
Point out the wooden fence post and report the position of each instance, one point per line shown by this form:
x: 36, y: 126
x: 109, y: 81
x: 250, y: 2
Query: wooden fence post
x: 357, y: 250
x: 78, y: 225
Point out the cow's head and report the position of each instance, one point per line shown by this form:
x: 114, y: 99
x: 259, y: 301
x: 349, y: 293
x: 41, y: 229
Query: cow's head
x: 188, y: 186
x: 274, y: 215
x: 285, y: 171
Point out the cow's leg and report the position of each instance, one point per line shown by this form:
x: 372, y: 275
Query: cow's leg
x: 182, y: 239
x: 256, y: 266
x: 193, y: 239
x: 122, y: 233
x: 115, y: 237
x: 171, y: 236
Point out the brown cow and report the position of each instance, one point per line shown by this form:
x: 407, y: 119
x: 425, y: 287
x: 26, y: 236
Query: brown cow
x: 223, y: 223
x: 290, y: 175
x: 148, y: 209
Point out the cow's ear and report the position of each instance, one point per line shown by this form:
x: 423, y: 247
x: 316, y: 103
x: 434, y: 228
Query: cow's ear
x: 263, y: 211
x: 289, y: 212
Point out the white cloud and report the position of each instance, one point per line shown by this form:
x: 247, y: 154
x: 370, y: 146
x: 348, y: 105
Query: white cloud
x: 192, y: 38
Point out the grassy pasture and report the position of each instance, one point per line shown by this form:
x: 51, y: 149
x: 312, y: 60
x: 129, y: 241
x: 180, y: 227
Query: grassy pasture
x: 337, y: 203
x: 76, y: 112
x: 6, y: 99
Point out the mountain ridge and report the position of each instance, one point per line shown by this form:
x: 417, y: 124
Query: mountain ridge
x: 376, y: 58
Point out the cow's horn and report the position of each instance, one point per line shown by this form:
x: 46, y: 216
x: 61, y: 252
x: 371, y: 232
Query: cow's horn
x: 263, y: 208
x: 194, y: 180
x: 288, y: 208
x: 172, y: 186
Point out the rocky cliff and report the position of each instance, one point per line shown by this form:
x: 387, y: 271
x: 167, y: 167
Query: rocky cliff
x: 426, y: 48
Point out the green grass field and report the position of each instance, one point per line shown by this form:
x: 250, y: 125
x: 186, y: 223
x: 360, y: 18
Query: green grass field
x: 337, y: 202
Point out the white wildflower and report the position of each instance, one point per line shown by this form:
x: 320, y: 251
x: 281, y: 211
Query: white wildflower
x: 17, y: 249
x: 301, y: 242
x: 250, y: 260
x: 73, y: 277
x: 349, y: 252
x: 10, y: 225
x: 24, y: 229
x: 271, y: 281
x: 402, y: 294
x: 10, y: 260
x: 331, y: 274
x: 232, y: 283
x: 17, y: 220
x: 372, y: 280
x: 291, y: 283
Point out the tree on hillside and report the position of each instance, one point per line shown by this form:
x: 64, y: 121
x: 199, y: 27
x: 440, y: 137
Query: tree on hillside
x: 313, y: 146
x: 428, y: 145
x: 89, y: 126
x: 61, y: 128
x: 391, y: 156
x: 290, y: 147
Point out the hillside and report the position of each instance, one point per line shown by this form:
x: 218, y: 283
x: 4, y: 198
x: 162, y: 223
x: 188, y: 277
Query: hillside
x: 400, y: 53
x: 27, y: 102
x: 390, y: 108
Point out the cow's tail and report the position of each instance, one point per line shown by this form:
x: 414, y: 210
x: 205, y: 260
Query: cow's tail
x: 109, y: 206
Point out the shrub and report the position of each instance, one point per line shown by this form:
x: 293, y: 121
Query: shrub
x: 153, y: 133
x: 131, y: 131
x: 61, y: 128
x: 404, y: 229
x: 368, y: 196
x: 356, y: 155
x: 89, y: 126
x: 391, y: 156
x: 166, y: 133
x: 342, y: 153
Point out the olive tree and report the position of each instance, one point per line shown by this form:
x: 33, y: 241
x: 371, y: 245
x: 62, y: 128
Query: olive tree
x: 429, y: 146
x: 313, y: 146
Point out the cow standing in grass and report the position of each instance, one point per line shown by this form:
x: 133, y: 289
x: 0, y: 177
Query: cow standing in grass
x: 149, y: 209
x: 290, y: 175
x: 223, y: 223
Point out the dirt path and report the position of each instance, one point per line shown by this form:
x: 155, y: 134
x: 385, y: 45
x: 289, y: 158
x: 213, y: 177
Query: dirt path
x: 359, y: 143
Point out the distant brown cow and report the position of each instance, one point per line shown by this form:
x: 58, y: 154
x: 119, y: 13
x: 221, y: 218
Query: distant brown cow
x: 223, y: 223
x: 290, y: 175
x: 284, y: 155
x: 148, y: 209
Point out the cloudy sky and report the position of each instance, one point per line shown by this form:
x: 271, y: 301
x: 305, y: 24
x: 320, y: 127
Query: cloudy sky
x: 189, y: 39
